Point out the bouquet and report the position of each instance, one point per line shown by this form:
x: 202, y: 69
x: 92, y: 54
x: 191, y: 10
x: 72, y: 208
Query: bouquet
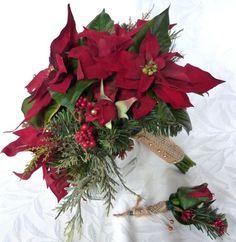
x: 103, y: 88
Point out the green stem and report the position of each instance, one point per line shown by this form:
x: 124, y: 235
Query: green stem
x: 185, y: 164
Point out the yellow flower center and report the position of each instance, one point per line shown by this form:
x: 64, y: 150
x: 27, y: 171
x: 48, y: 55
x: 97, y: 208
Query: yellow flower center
x: 150, y: 68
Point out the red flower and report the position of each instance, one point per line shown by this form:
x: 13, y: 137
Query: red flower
x: 55, y: 77
x: 201, y: 192
x: 220, y: 226
x: 152, y: 69
x: 186, y: 215
x: 103, y: 111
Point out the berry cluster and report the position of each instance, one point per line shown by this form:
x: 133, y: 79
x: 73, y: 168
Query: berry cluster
x: 85, y: 136
x: 82, y: 104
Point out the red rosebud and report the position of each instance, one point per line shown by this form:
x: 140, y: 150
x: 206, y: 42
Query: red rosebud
x: 186, y: 215
x: 103, y: 111
x: 201, y: 192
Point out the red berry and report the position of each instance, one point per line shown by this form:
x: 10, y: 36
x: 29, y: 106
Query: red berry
x: 89, y: 105
x: 86, y: 146
x: 84, y: 127
x: 92, y: 143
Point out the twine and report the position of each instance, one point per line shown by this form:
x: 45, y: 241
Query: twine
x: 162, y: 146
x: 160, y: 207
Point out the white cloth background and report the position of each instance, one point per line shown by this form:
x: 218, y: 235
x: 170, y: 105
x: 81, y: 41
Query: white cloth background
x: 208, y: 41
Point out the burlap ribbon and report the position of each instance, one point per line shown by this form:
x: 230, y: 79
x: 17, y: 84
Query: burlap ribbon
x: 160, y: 207
x: 162, y: 146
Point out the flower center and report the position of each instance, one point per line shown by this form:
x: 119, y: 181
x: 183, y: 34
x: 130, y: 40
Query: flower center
x: 150, y: 68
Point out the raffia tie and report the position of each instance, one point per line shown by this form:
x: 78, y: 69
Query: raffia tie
x: 162, y: 146
x: 137, y: 211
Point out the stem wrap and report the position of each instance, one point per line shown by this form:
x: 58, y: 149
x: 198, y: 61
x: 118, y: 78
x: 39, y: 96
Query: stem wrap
x: 162, y: 146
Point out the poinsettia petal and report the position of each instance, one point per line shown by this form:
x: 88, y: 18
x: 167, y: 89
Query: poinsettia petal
x: 26, y: 176
x: 39, y: 104
x: 175, y: 71
x: 62, y: 86
x: 124, y: 94
x: 144, y: 106
x: 93, y: 35
x: 60, y: 65
x: 14, y: 147
x: 56, y: 182
x: 161, y: 63
x: 28, y: 137
x: 149, y: 47
x: 201, y: 81
x: 171, y: 55
x: 84, y: 57
x: 145, y: 82
x: 175, y: 98
x: 112, y: 44
x: 122, y: 31
x: 66, y: 39
x: 37, y: 81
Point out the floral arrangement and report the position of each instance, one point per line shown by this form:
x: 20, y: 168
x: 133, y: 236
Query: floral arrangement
x: 103, y: 88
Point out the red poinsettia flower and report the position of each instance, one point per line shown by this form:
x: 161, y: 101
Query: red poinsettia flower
x: 97, y: 57
x: 55, y: 77
x: 152, y: 69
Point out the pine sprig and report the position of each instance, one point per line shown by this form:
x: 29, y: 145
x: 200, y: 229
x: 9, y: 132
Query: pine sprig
x: 72, y: 203
x: 63, y: 124
x: 39, y: 153
x: 204, y: 220
x: 164, y: 120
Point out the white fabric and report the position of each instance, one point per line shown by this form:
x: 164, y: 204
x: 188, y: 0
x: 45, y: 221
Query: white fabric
x: 208, y: 41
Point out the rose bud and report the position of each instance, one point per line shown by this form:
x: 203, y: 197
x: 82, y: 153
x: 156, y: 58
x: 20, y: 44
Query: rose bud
x: 192, y: 196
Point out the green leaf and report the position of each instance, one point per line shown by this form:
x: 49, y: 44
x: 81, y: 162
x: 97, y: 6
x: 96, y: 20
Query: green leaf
x: 69, y: 99
x: 26, y: 106
x: 51, y: 111
x: 102, y: 22
x: 159, y: 26
x: 182, y: 117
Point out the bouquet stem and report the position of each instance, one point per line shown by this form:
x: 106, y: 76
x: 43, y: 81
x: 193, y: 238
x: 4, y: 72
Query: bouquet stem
x: 166, y: 149
x: 185, y: 164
